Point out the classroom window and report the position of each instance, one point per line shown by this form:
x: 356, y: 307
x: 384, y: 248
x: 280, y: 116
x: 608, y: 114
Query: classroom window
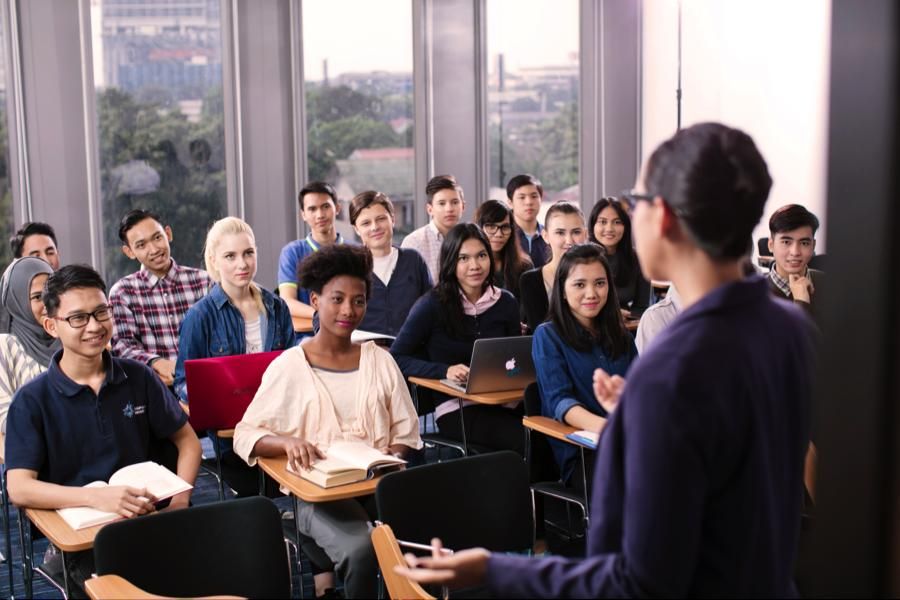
x: 359, y: 101
x: 158, y: 75
x: 7, y: 217
x: 533, y: 78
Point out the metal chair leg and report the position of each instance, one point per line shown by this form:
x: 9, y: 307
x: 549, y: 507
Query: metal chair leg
x: 27, y: 555
x: 4, y: 497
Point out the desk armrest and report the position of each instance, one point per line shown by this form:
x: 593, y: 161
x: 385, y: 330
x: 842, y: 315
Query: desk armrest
x: 114, y: 586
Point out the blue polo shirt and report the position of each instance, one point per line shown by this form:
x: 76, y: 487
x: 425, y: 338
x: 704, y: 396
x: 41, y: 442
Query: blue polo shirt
x: 291, y: 257
x: 72, y: 436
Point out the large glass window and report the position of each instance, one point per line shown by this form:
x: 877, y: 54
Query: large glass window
x: 7, y: 218
x: 359, y: 101
x: 158, y: 74
x: 533, y: 94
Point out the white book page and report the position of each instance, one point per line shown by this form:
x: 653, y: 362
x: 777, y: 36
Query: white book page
x: 80, y: 517
x: 155, y: 478
x: 359, y: 455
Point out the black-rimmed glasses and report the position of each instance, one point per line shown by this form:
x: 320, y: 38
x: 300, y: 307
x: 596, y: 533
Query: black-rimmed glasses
x: 79, y: 320
x: 493, y: 228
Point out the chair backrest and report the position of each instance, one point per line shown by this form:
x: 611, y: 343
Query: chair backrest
x: 481, y: 500
x: 233, y: 547
x: 817, y: 262
x: 220, y: 389
x: 762, y: 245
x: 532, y: 402
x: 389, y: 555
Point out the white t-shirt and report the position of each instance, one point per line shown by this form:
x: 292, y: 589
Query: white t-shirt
x: 342, y: 386
x: 253, y: 335
x: 383, y: 266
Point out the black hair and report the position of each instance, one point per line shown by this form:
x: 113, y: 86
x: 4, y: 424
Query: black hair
x: 17, y: 241
x: 627, y: 261
x: 68, y: 278
x: 521, y: 181
x: 364, y: 200
x: 515, y: 261
x: 317, y: 269
x: 716, y: 182
x: 791, y: 217
x: 447, y: 288
x: 317, y: 187
x: 132, y: 218
x: 442, y: 182
x: 609, y: 324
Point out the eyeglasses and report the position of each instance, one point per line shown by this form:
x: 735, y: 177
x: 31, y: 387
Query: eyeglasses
x: 631, y: 198
x: 79, y: 320
x: 493, y: 228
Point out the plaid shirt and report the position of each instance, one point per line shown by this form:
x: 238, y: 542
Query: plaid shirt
x: 427, y: 242
x: 781, y: 283
x: 148, y: 311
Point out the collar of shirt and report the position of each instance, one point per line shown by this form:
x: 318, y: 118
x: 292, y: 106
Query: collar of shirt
x: 152, y: 279
x: 780, y: 282
x: 338, y: 239
x: 487, y: 300
x: 434, y: 230
x: 538, y: 231
x: 220, y: 299
x: 67, y: 387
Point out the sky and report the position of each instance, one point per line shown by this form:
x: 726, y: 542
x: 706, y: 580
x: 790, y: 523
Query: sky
x: 379, y: 34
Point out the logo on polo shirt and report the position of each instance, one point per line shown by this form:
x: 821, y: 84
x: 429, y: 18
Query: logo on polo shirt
x: 131, y: 410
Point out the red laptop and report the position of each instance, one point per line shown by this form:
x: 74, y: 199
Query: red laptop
x: 220, y: 389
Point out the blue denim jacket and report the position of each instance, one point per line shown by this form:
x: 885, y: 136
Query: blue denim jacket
x: 214, y: 327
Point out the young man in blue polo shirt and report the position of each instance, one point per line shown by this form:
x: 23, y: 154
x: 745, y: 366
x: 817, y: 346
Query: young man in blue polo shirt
x: 318, y: 208
x: 90, y: 414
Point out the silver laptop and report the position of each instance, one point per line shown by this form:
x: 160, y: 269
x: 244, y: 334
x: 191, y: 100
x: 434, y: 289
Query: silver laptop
x: 498, y: 365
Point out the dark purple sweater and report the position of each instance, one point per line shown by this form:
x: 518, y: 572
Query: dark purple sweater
x: 699, y: 476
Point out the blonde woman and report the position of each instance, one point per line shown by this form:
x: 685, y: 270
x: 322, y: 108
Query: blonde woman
x: 236, y: 317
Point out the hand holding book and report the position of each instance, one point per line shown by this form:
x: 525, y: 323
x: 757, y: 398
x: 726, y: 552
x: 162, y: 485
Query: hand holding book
x: 300, y: 453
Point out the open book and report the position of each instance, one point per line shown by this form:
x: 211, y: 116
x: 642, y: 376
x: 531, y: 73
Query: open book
x: 156, y: 479
x: 584, y: 438
x: 348, y: 462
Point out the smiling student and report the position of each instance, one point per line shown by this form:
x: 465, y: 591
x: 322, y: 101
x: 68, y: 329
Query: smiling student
x: 525, y: 194
x: 437, y: 339
x: 610, y: 226
x: 563, y: 228
x: 318, y: 207
x: 89, y: 415
x: 400, y: 274
x: 497, y: 223
x: 330, y: 389
x: 38, y: 240
x: 150, y: 304
x: 792, y: 242
x: 445, y: 204
x: 585, y: 332
x: 236, y: 317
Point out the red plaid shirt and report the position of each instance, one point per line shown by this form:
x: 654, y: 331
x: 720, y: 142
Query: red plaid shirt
x: 148, y: 311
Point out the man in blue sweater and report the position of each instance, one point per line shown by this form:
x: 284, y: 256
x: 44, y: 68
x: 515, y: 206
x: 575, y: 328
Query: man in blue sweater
x: 701, y: 464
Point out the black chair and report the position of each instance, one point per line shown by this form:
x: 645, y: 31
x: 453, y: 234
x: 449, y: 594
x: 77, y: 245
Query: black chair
x: 553, y: 489
x: 479, y: 500
x: 818, y: 262
x: 233, y: 547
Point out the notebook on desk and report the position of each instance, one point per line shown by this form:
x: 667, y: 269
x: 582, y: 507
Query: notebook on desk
x: 498, y: 365
x: 220, y: 389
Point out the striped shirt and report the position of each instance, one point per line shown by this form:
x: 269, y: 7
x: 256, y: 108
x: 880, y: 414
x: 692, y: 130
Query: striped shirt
x: 148, y: 311
x: 16, y: 369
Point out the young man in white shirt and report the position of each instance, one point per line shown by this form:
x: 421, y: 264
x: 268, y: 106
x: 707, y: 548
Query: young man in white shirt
x: 445, y: 205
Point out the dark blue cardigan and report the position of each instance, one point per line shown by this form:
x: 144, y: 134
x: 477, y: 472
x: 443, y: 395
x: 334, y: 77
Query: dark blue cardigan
x: 387, y: 308
x: 424, y: 347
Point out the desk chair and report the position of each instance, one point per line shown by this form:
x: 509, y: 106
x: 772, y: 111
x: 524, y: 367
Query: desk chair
x: 387, y: 549
x: 554, y: 489
x: 460, y: 501
x: 233, y: 547
x: 423, y: 399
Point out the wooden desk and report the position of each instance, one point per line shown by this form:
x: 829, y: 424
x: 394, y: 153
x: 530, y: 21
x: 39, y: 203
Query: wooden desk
x: 486, y: 398
x: 302, y: 325
x: 276, y: 468
x: 114, y: 586
x: 632, y: 324
x: 553, y: 428
x: 60, y: 533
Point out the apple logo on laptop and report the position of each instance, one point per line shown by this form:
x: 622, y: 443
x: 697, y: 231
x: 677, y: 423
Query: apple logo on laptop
x: 512, y: 369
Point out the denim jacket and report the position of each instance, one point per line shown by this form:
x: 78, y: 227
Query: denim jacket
x: 214, y: 327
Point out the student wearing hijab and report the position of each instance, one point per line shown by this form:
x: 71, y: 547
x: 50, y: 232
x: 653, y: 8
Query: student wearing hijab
x: 25, y: 348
